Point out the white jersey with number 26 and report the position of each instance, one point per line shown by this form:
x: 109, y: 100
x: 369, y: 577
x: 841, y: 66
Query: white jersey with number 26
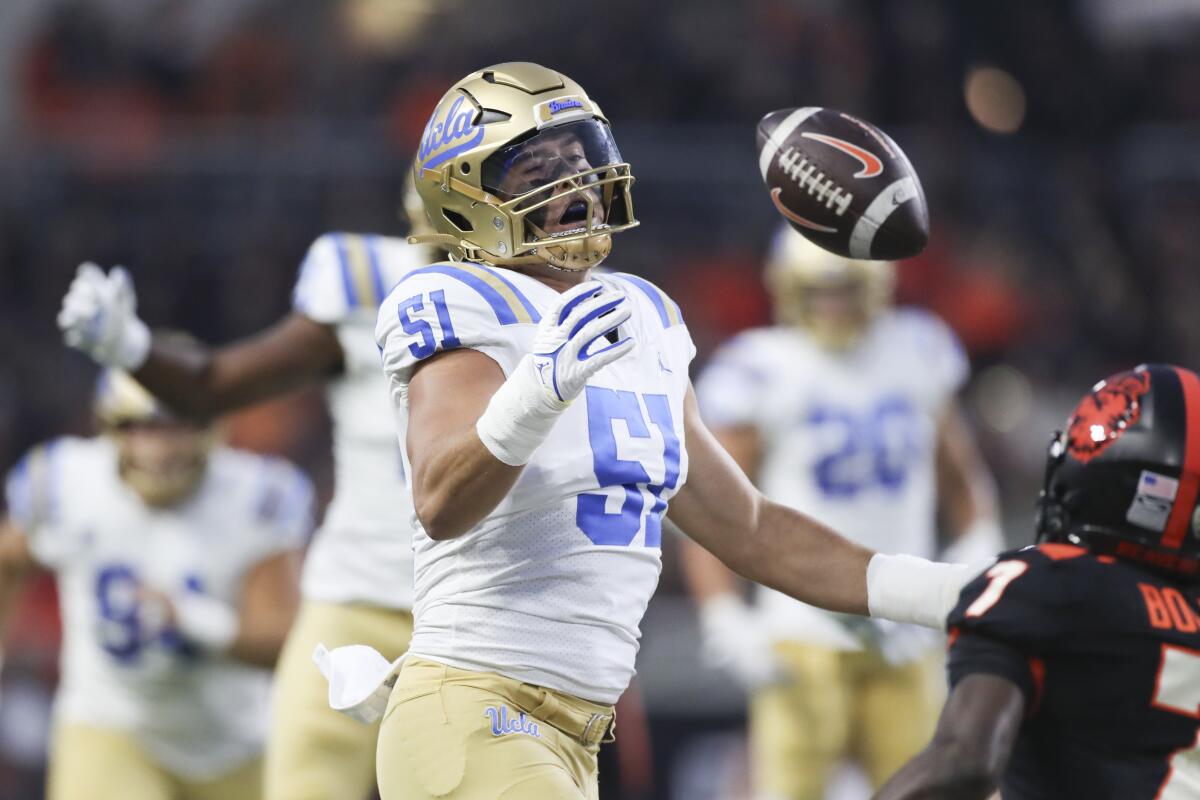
x: 848, y: 437
x: 551, y: 587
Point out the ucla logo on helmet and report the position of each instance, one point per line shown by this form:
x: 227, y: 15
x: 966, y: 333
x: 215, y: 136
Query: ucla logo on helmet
x: 449, y: 133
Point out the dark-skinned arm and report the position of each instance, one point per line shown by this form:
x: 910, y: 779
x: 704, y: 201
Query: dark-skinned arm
x: 971, y: 747
x: 203, y: 382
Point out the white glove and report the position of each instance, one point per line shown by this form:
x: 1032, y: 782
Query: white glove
x: 910, y: 589
x: 733, y: 640
x: 523, y: 410
x: 99, y: 317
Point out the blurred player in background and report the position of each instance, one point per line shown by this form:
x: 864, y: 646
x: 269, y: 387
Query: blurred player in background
x: 846, y: 409
x: 177, y: 565
x: 357, y: 579
x: 1075, y: 663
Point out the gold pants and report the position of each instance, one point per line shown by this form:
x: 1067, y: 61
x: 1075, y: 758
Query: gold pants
x: 839, y: 704
x: 316, y: 753
x: 88, y: 763
x: 460, y: 735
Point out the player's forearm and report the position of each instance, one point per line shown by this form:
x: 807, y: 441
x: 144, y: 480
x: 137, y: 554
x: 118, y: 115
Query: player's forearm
x: 459, y: 484
x: 798, y: 556
x: 941, y: 772
x: 205, y: 382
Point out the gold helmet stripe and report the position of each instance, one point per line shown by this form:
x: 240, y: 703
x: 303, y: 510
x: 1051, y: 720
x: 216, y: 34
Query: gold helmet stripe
x: 360, y: 273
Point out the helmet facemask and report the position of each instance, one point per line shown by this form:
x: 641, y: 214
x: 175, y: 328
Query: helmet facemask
x: 566, y: 190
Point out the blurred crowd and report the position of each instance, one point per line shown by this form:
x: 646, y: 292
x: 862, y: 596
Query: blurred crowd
x: 204, y: 145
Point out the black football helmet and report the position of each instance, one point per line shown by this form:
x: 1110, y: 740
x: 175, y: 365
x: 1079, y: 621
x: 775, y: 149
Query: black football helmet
x: 1122, y: 479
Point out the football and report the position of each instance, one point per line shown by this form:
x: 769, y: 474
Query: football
x: 842, y: 183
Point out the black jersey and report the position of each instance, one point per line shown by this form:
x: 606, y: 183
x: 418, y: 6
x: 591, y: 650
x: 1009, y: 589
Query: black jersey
x: 1108, y: 656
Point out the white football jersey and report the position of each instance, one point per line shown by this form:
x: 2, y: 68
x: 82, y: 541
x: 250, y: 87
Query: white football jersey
x: 849, y: 438
x: 550, y: 589
x: 198, y: 716
x: 363, y: 551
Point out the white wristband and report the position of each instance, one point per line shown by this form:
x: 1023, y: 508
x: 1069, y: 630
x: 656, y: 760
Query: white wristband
x: 904, y: 588
x: 134, y: 346
x: 205, y: 621
x: 518, y: 418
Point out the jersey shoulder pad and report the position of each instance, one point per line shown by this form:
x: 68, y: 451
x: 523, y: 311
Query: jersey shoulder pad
x: 931, y: 340
x: 33, y: 488
x: 342, y: 274
x: 729, y: 388
x: 451, y: 305
x: 1029, y: 597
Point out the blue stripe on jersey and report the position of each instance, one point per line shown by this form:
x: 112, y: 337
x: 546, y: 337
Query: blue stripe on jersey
x: 489, y: 285
x: 668, y: 311
x: 347, y: 279
x: 372, y: 243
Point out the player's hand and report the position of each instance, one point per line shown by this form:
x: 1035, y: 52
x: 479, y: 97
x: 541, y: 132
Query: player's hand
x: 570, y: 346
x: 733, y: 640
x: 99, y: 317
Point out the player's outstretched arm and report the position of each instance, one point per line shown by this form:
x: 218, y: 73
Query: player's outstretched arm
x: 971, y: 747
x: 99, y: 317
x: 786, y: 550
x: 205, y: 382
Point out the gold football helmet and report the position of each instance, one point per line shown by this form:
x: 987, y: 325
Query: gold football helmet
x: 160, y: 457
x: 518, y: 166
x: 832, y: 297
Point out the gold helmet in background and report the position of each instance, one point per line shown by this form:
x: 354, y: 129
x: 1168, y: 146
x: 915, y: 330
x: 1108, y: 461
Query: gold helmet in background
x: 832, y: 297
x: 162, y: 458
x: 419, y: 227
x: 518, y: 166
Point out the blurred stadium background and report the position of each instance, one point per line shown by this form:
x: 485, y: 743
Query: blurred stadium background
x: 205, y: 144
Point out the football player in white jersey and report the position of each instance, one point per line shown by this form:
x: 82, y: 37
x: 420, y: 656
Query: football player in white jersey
x: 846, y: 409
x: 177, y: 566
x: 548, y: 419
x: 357, y: 578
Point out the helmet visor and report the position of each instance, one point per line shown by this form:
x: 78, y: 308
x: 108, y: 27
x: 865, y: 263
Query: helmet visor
x: 562, y: 180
